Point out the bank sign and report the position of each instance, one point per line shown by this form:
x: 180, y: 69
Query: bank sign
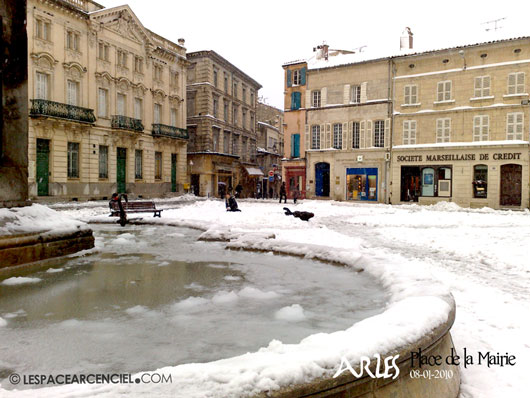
x: 452, y: 157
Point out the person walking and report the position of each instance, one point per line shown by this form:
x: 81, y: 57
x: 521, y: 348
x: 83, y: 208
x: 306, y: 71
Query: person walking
x: 283, y: 193
x: 296, y: 194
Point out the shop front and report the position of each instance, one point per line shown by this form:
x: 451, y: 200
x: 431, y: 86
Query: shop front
x: 494, y: 175
x: 361, y: 184
x: 295, y: 179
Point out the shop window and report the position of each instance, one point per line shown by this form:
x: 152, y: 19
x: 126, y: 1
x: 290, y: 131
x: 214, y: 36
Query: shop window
x: 433, y: 181
x: 480, y: 181
x: 444, y: 182
x: 427, y: 182
x: 361, y: 184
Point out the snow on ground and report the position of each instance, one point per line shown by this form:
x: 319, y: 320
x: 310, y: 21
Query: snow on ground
x: 419, y: 254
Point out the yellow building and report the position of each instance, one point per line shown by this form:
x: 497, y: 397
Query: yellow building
x: 107, y: 103
x: 461, y: 126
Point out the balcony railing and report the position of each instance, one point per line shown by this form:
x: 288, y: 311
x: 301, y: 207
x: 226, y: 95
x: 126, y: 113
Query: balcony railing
x: 169, y: 131
x: 126, y: 123
x: 40, y: 107
x: 82, y: 4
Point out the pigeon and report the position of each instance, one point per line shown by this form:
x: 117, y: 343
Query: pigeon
x: 302, y: 215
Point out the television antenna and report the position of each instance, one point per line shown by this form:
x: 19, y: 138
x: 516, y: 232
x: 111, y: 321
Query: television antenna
x: 495, y: 23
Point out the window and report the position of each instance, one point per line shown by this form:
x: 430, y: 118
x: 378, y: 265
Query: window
x: 356, y: 132
x: 356, y: 94
x: 41, y: 85
x: 244, y: 95
x: 516, y: 83
x: 481, y: 128
x: 251, y: 98
x: 138, y: 64
x: 482, y: 86
x: 225, y: 111
x: 158, y: 165
x: 234, y: 145
x: 409, y: 132
x: 226, y: 143
x: 444, y: 91
x: 103, y: 51
x: 103, y: 161
x: 480, y: 181
x: 514, y: 126
x: 215, y: 77
x: 174, y: 79
x: 157, y: 113
x: 173, y: 117
x: 234, y: 114
x: 234, y: 89
x: 411, y: 94
x: 121, y: 104
x: 296, y: 100
x: 226, y: 82
x: 215, y: 106
x: 73, y: 160
x: 43, y: 29
x: 315, y: 98
x: 244, y: 118
x: 103, y: 102
x: 379, y: 133
x: 251, y: 121
x: 122, y: 58
x: 157, y: 72
x: 72, y: 40
x: 443, y: 130
x: 138, y: 108
x: 295, y: 145
x: 244, y: 154
x: 296, y: 77
x: 72, y: 92
x: 138, y: 164
x: 315, y: 137
x: 337, y: 136
x: 215, y: 140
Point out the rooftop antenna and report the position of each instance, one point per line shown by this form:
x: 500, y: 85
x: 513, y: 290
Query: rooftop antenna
x: 495, y: 23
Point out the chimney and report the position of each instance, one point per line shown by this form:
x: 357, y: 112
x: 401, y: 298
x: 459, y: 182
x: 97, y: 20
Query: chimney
x: 405, y: 42
x: 181, y: 42
x: 322, y: 51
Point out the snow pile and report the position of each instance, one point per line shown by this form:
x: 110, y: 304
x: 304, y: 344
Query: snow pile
x: 292, y: 313
x: 36, y: 218
x: 19, y: 280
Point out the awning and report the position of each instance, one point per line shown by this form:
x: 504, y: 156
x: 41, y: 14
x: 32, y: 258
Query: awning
x: 253, y: 171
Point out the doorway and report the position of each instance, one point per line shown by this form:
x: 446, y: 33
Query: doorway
x: 511, y: 184
x: 121, y: 169
x: 173, y: 172
x: 322, y: 179
x: 43, y: 167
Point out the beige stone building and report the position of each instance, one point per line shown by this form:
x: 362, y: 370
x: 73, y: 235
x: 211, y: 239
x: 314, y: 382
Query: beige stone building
x: 347, y: 130
x: 221, y: 121
x: 461, y: 126
x: 294, y: 161
x: 107, y: 103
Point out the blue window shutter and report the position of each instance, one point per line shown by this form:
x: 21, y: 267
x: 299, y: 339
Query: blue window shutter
x: 296, y: 100
x: 293, y: 101
x: 295, y: 146
x: 302, y: 76
x: 289, y: 82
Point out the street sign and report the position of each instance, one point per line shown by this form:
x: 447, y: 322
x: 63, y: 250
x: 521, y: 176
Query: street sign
x: 271, y: 173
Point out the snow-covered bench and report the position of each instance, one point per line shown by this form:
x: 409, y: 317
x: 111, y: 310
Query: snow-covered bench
x: 134, y: 207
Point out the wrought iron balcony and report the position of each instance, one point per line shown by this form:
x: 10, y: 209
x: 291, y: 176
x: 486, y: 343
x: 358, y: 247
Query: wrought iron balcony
x: 126, y: 123
x: 40, y: 107
x: 162, y: 130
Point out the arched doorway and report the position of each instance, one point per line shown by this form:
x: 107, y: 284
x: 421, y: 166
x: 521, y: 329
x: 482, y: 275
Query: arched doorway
x: 322, y: 179
x: 511, y: 184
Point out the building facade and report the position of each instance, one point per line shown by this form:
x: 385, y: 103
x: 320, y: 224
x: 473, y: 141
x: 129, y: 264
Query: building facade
x: 347, y: 132
x: 221, y: 120
x: 461, y: 126
x: 107, y: 104
x: 294, y: 161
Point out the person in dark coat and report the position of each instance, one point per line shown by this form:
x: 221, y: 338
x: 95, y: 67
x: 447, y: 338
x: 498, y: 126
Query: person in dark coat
x: 283, y: 193
x: 231, y: 203
x: 296, y: 194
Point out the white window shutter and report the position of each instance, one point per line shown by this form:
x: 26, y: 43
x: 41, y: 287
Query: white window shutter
x: 324, y: 96
x: 322, y: 136
x: 387, y: 133
x: 363, y: 92
x: 363, y: 134
x: 347, y: 95
x: 345, y: 135
x: 368, y: 137
x: 307, y: 138
x: 308, y: 99
x: 328, y: 136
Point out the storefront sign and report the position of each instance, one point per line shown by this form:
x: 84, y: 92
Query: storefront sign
x: 459, y: 157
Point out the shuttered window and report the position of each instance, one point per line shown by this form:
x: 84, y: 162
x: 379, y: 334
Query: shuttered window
x: 157, y: 114
x: 356, y: 94
x: 72, y: 89
x: 315, y: 137
x: 516, y: 83
x: 379, y: 133
x: 315, y: 98
x: 481, y: 128
x: 443, y: 130
x: 482, y: 86
x: 41, y: 86
x: 444, y: 91
x: 356, y: 132
x: 121, y: 105
x: 295, y: 145
x: 138, y: 108
x: 296, y: 100
x: 411, y: 94
x: 514, y: 126
x: 409, y: 132
x: 337, y: 136
x: 102, y: 102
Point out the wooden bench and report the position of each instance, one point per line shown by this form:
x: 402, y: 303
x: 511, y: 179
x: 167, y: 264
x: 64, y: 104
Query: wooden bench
x: 134, y: 207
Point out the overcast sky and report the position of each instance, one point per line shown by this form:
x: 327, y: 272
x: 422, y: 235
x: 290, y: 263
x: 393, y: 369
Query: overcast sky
x: 258, y: 37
